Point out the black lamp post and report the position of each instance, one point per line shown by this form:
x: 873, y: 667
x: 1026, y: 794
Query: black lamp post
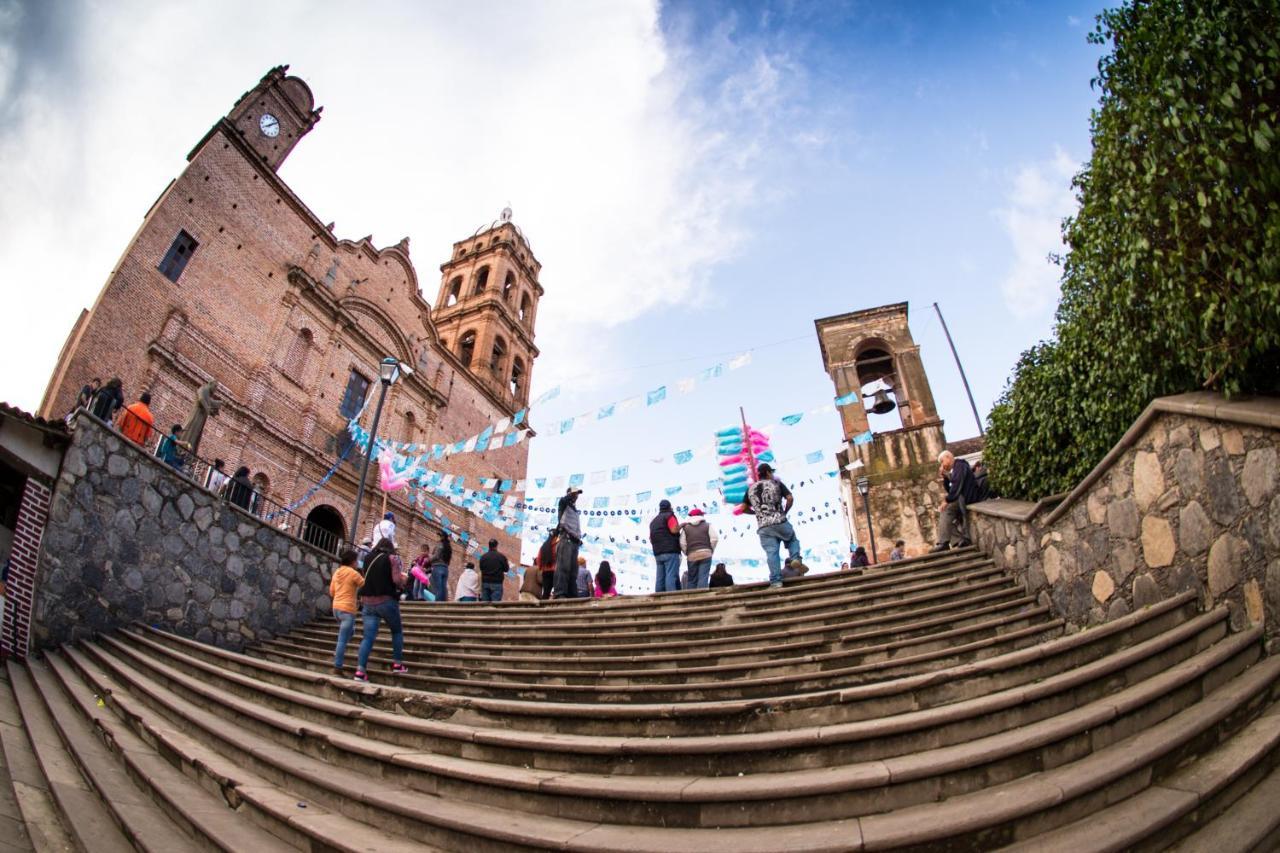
x: 388, y: 371
x: 864, y: 489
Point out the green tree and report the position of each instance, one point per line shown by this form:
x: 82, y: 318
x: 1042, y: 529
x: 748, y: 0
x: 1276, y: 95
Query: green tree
x: 1171, y: 280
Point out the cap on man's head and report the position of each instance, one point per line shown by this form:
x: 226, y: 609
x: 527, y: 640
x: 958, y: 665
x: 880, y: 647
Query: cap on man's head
x: 664, y: 504
x: 696, y: 511
x: 764, y: 468
x: 573, y: 490
x: 391, y: 516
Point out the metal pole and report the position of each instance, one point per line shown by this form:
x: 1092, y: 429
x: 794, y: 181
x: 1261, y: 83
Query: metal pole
x: 364, y: 469
x: 960, y: 367
x: 871, y: 531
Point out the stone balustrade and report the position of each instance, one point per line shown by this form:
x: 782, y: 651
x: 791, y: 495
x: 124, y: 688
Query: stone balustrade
x: 1188, y: 499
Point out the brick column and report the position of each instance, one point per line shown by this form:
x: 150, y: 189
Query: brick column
x: 32, y: 514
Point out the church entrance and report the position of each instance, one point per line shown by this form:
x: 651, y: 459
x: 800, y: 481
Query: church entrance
x: 325, y: 528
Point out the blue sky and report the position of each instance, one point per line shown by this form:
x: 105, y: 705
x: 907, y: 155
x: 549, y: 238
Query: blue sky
x: 698, y: 179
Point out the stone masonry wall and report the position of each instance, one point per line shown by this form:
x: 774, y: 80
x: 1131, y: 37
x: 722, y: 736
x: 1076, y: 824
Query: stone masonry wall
x: 128, y: 539
x: 1193, y: 502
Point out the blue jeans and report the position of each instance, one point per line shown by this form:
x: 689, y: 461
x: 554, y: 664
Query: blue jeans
x: 346, y: 627
x: 389, y: 612
x: 491, y: 591
x: 440, y: 582
x: 668, y: 572
x: 699, y: 573
x: 468, y: 598
x: 771, y: 537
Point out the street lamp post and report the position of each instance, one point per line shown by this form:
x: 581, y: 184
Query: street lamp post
x: 388, y: 371
x: 864, y: 489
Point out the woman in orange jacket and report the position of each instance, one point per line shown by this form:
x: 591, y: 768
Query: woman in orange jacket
x: 343, y: 585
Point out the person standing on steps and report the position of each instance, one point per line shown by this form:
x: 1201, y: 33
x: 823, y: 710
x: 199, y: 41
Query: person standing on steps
x: 770, y: 501
x: 698, y: 540
x: 386, y: 529
x: 664, y: 536
x: 899, y: 551
x: 493, y: 568
x: 380, y: 602
x: 586, y: 583
x: 570, y: 527
x: 961, y: 490
x: 343, y: 587
x: 440, y: 558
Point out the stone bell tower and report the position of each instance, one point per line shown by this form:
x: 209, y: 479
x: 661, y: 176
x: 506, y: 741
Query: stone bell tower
x: 487, y: 307
x: 873, y: 350
x: 274, y: 115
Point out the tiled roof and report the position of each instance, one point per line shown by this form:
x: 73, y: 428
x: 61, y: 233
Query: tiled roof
x: 39, y: 423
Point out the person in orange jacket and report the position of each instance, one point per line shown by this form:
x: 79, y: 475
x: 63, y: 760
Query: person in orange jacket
x: 342, y: 589
x: 136, y: 421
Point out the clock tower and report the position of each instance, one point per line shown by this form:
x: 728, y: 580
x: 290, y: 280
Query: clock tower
x: 274, y: 115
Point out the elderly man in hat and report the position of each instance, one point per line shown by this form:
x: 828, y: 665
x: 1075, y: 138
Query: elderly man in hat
x: 698, y: 540
x: 570, y: 527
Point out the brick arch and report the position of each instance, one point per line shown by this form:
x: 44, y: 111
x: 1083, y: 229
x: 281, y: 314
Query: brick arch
x: 363, y: 308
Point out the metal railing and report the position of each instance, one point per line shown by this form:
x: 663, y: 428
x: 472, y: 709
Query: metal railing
x: 238, y: 493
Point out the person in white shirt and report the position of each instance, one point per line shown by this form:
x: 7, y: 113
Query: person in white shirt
x: 469, y: 584
x: 385, y: 529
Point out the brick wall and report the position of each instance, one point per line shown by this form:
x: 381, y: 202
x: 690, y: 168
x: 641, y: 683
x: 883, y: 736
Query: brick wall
x: 32, y: 516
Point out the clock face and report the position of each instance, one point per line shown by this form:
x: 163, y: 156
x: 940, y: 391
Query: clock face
x: 269, y: 125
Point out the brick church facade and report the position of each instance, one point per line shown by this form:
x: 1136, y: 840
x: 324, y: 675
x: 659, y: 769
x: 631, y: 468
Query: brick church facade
x: 232, y: 278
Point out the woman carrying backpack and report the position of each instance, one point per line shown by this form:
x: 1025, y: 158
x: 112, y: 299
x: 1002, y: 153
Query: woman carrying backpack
x: 384, y: 577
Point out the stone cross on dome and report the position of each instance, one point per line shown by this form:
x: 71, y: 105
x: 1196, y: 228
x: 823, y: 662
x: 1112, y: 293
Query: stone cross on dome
x: 506, y: 214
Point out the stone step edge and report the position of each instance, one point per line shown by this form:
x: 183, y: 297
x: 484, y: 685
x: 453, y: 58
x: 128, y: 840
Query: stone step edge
x: 993, y: 625
x: 492, y: 666
x: 1125, y: 824
x: 807, y: 736
x: 176, y: 793
x: 809, y: 782
x: 362, y: 693
x: 45, y: 829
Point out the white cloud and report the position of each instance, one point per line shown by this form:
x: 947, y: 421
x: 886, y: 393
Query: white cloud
x: 627, y: 156
x: 1038, y: 199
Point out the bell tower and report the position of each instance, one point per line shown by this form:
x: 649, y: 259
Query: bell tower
x: 487, y: 307
x: 272, y: 116
x: 873, y: 349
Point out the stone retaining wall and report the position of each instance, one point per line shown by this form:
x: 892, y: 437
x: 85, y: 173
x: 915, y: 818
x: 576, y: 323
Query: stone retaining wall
x: 129, y: 539
x: 1189, y: 499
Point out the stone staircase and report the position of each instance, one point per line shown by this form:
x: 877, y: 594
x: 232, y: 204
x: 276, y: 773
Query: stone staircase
x: 930, y: 705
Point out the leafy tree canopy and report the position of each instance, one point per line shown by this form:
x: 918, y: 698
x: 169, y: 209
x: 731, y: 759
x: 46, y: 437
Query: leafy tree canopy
x: 1171, y: 280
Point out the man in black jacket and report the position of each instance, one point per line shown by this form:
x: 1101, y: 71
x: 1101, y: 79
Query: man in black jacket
x: 493, y: 568
x: 962, y: 490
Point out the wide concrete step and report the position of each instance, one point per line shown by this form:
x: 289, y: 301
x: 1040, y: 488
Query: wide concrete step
x: 888, y: 661
x: 644, y: 719
x: 715, y: 755
x: 687, y: 607
x: 31, y: 816
x: 1141, y: 736
x: 771, y: 640
x: 1201, y: 799
x: 562, y: 665
x: 425, y: 619
x: 854, y: 786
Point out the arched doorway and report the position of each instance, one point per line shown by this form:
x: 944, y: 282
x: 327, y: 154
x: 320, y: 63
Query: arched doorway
x: 325, y: 528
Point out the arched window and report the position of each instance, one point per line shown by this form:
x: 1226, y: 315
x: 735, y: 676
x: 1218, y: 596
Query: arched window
x: 261, y: 486
x: 517, y: 378
x: 295, y: 361
x: 498, y: 357
x: 410, y: 427
x: 526, y: 309
x: 467, y: 348
x: 508, y: 287
x: 482, y: 280
x: 455, y: 291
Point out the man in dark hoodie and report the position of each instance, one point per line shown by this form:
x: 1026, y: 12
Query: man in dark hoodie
x: 664, y: 536
x: 962, y: 490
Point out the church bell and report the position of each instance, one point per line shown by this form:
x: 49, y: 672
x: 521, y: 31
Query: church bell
x: 880, y: 403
